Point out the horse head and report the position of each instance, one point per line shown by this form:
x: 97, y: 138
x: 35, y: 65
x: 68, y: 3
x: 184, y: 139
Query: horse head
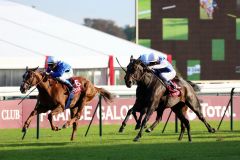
x: 135, y: 72
x: 30, y: 79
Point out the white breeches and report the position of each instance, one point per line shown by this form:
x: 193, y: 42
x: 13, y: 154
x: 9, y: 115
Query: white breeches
x: 167, y: 76
x: 66, y: 75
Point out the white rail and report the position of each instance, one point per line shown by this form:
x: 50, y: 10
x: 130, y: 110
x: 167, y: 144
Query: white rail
x: 122, y: 90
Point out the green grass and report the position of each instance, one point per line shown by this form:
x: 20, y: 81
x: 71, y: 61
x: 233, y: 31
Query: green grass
x: 221, y: 145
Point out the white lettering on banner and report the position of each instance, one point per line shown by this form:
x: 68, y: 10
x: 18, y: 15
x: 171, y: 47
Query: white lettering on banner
x: 64, y: 116
x: 10, y: 114
x: 211, y: 111
x: 110, y: 112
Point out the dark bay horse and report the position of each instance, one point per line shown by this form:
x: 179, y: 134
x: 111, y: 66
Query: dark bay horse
x: 138, y: 73
x: 53, y: 96
x: 142, y: 109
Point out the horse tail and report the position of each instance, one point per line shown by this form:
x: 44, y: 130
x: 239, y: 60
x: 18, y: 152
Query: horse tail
x: 107, y: 96
x: 195, y: 86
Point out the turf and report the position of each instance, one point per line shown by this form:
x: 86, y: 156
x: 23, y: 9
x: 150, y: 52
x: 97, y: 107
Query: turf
x: 223, y: 144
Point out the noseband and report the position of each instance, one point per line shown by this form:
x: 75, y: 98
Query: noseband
x: 138, y: 79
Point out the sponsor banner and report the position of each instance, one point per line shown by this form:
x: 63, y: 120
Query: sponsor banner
x: 13, y: 115
x: 10, y: 114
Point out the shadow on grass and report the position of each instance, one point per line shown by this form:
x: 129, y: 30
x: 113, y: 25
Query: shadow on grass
x: 134, y: 151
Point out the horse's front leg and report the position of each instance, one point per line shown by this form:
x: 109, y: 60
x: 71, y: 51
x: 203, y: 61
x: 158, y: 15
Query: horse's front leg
x: 124, y: 123
x: 145, y: 120
x: 139, y: 121
x: 28, y: 121
x: 58, y: 109
x: 160, y: 111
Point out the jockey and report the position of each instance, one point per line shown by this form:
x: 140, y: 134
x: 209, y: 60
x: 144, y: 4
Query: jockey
x: 60, y: 71
x: 161, y: 67
x: 208, y: 6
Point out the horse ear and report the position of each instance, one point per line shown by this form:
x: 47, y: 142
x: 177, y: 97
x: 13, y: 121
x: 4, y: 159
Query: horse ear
x: 34, y: 69
x: 131, y: 58
x: 26, y: 68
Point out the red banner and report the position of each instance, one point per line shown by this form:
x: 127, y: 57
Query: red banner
x: 13, y: 115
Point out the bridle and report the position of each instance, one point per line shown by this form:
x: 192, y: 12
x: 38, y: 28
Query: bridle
x: 134, y: 77
x: 147, y: 68
x: 30, y: 84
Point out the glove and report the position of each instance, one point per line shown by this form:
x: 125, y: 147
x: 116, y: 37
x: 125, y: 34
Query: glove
x: 46, y: 73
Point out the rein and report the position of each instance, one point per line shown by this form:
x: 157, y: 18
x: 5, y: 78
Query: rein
x: 151, y: 71
x: 154, y: 75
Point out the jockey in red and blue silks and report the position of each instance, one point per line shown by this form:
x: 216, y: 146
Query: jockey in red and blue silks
x: 161, y: 67
x: 60, y: 70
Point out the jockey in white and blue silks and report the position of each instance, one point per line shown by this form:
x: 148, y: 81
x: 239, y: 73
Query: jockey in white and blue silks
x: 160, y: 66
x: 208, y: 6
x: 60, y: 70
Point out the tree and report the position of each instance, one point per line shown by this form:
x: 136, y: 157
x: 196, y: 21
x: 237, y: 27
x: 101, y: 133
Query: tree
x: 106, y: 26
x: 130, y: 33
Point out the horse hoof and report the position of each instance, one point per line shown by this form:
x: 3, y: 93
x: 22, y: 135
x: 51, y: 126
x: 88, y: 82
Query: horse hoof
x: 148, y: 130
x: 24, y: 130
x: 57, y: 129
x: 136, y: 139
x: 120, y: 130
x: 212, y: 130
x: 64, y: 126
x: 137, y: 127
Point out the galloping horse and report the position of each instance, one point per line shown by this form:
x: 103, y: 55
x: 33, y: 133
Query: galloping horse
x: 140, y: 107
x: 138, y: 73
x: 53, y: 96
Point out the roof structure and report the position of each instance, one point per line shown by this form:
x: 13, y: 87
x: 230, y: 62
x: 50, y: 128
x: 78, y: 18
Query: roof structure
x: 28, y: 35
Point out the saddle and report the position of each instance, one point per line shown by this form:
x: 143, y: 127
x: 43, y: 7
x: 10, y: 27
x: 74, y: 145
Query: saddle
x: 76, y: 85
x: 174, y: 92
x: 76, y: 89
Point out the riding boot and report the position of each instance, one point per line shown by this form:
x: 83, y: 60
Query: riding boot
x: 171, y: 85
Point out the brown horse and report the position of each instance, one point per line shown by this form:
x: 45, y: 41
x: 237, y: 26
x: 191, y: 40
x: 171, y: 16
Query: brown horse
x: 138, y: 73
x: 53, y: 96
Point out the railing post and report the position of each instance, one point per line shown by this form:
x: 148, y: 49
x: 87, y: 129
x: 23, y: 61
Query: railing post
x: 231, y: 103
x: 100, y: 116
x: 38, y: 126
x: 176, y: 124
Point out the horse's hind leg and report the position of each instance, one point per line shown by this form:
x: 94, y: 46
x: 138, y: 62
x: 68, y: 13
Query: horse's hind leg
x: 139, y: 121
x: 184, y: 111
x: 195, y: 106
x: 182, y: 131
x: 177, y: 109
x: 75, y: 124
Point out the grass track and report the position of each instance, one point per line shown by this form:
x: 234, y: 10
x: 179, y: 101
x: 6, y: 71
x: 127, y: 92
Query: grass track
x: 115, y: 146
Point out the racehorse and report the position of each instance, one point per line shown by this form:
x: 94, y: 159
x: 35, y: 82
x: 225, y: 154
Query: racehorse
x: 53, y: 96
x: 139, y: 107
x: 139, y: 73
